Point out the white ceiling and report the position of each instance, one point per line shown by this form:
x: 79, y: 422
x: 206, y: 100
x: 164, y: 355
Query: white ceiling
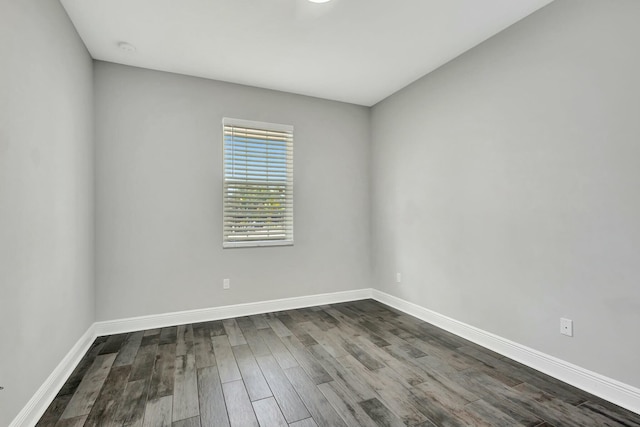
x: 357, y: 51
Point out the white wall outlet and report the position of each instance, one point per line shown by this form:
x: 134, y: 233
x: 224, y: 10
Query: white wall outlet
x: 566, y: 327
x: 398, y: 277
x: 226, y: 283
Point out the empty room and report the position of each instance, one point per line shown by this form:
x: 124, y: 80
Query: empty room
x: 319, y: 213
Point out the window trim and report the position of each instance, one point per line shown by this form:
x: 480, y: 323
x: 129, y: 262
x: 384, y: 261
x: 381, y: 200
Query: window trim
x: 288, y: 240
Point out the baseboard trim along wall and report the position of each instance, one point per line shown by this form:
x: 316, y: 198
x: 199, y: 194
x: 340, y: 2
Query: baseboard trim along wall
x: 607, y: 388
x: 33, y: 410
x: 215, y: 313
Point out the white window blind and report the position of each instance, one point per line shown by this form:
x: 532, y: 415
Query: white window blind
x: 258, y: 183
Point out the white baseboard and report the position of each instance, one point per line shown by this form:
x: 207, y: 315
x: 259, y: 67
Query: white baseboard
x: 33, y: 410
x: 607, y: 388
x: 225, y: 312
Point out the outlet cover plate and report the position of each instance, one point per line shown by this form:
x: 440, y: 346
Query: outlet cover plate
x: 566, y: 327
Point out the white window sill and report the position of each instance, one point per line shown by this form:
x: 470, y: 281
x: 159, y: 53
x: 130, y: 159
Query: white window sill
x: 257, y: 244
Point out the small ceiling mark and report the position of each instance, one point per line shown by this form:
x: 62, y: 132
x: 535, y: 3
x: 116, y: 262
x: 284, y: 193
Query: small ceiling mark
x: 127, y: 47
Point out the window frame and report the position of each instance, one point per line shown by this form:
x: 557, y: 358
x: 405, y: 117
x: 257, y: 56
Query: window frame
x: 288, y: 196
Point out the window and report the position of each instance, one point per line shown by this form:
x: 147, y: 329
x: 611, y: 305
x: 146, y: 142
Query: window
x: 258, y: 184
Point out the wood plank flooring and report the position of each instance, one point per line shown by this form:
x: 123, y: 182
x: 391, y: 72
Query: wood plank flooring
x: 352, y: 364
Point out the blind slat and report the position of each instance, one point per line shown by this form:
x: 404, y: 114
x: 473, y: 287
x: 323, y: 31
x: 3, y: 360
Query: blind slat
x: 255, y: 154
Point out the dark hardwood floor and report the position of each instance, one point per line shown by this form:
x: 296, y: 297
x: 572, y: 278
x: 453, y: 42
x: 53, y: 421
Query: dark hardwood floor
x: 358, y: 363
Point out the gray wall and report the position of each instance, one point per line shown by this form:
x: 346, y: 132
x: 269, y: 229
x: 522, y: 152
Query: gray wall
x: 506, y: 186
x: 159, y: 195
x: 46, y: 187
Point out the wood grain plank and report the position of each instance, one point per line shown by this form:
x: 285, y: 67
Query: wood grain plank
x: 113, y: 344
x: 80, y: 371
x: 168, y: 335
x: 333, y: 348
x: 493, y: 366
x: 307, y: 422
x: 129, y: 349
x: 72, y: 422
x: 352, y: 327
x: 158, y: 412
x: 376, y: 328
x: 142, y: 366
x: 356, y: 386
x: 394, y: 395
x: 185, y: 389
x: 344, y: 404
x: 88, y: 390
x: 309, y: 363
x: 238, y: 405
x: 495, y: 393
x: 443, y: 407
x: 295, y: 328
x: 254, y: 381
x: 203, y: 348
x: 447, y: 339
x: 298, y: 315
x: 260, y: 321
x: 358, y: 348
x: 245, y: 323
x: 489, y: 414
x: 184, y: 339
x: 226, y: 362
x: 190, y: 422
x: 292, y: 407
x: 163, y: 375
x: 318, y: 321
x: 555, y: 410
x: 217, y: 328
x: 322, y: 315
x: 550, y: 385
x: 213, y: 410
x: 234, y: 333
x: 347, y: 311
x: 54, y: 411
x: 380, y: 414
x: 613, y: 412
x: 405, y: 365
x: 257, y: 344
x: 214, y: 327
x: 279, y: 328
x: 320, y: 409
x: 435, y: 364
x: 483, y: 354
x: 282, y: 355
x: 105, y: 407
x: 150, y: 340
x: 268, y: 413
x: 133, y: 403
x: 439, y: 387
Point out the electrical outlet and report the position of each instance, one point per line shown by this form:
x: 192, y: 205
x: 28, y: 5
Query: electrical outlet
x: 566, y: 327
x: 226, y: 283
x: 398, y: 277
